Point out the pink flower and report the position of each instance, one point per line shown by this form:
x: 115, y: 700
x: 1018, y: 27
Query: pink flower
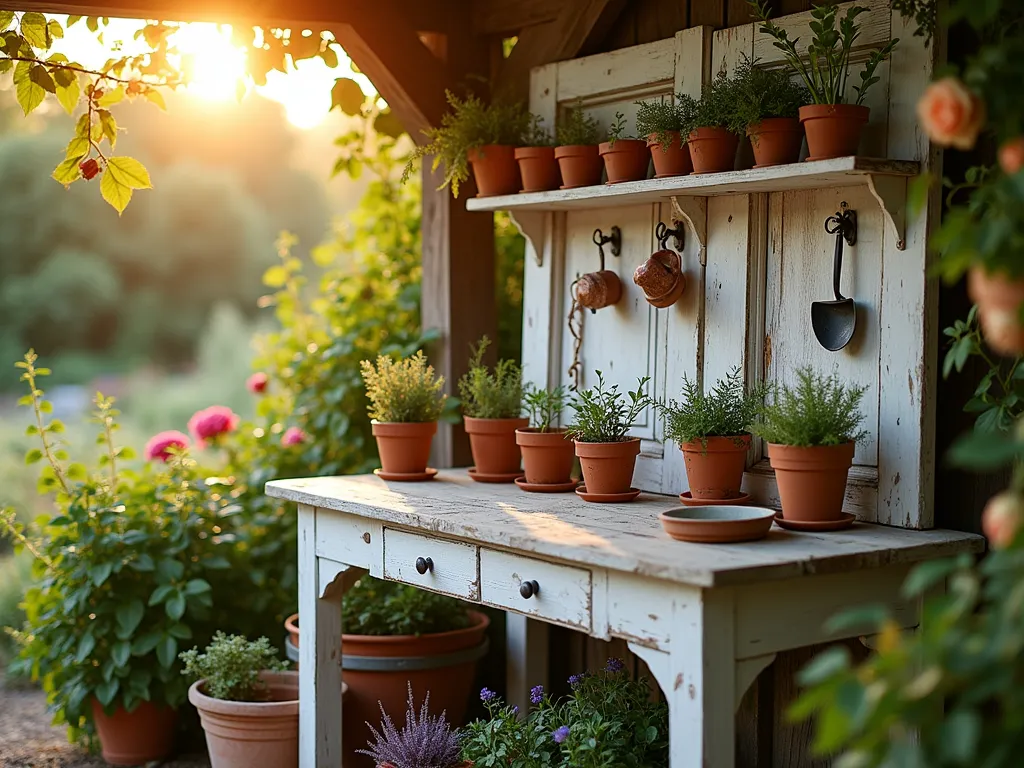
x: 257, y: 383
x: 1002, y: 519
x: 293, y: 436
x: 1011, y: 155
x: 158, y: 445
x: 951, y: 114
x: 211, y: 423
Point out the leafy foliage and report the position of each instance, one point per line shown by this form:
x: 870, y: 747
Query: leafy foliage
x: 764, y: 93
x: 491, y: 395
x: 617, y: 130
x: 403, y: 391
x: 377, y: 607
x: 605, y: 415
x: 659, y: 118
x: 577, y: 128
x: 718, y: 107
x: 426, y: 741
x: 545, y: 406
x: 537, y: 135
x: 231, y: 667
x: 726, y: 411
x: 819, y: 410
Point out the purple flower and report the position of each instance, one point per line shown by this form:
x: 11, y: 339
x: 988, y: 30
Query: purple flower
x: 561, y: 734
x: 487, y: 695
x: 575, y: 680
x: 515, y: 710
x: 537, y: 694
x: 614, y: 665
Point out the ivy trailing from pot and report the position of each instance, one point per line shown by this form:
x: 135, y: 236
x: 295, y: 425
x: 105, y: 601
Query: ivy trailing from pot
x: 577, y: 135
x: 548, y: 453
x: 663, y: 123
x: 626, y: 158
x: 713, y: 125
x: 769, y: 102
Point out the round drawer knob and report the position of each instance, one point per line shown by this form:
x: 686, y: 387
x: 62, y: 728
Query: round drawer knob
x: 424, y: 564
x: 528, y: 589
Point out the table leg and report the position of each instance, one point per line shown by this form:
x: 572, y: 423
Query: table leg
x: 526, y: 658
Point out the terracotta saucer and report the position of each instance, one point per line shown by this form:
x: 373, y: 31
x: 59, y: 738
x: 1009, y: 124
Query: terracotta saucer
x: 546, y: 487
x: 689, y: 501
x: 403, y: 477
x: 502, y: 478
x: 717, y: 524
x: 820, y: 526
x: 607, y: 498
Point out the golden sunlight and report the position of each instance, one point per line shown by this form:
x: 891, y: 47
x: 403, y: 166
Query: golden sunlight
x: 213, y: 67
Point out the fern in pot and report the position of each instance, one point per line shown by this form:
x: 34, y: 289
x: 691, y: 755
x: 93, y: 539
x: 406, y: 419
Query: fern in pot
x: 548, y: 453
x: 625, y: 158
x: 769, y: 103
x: 713, y: 431
x: 576, y: 137
x: 662, y: 123
x: 713, y: 126
x: 812, y: 429
x: 537, y: 164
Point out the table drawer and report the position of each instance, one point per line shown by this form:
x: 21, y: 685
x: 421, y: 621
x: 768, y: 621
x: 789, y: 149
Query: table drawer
x: 450, y: 566
x: 562, y: 596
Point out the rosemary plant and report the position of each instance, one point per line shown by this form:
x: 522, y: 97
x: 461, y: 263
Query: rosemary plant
x: 487, y: 394
x: 818, y: 410
x: 726, y: 411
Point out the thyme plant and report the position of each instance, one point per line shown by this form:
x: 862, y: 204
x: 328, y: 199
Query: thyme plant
x: 765, y: 93
x: 819, y: 410
x: 403, y: 391
x: 718, y: 107
x: 605, y: 415
x: 231, y: 667
x: 577, y: 128
x: 545, y: 407
x: 660, y: 118
x: 726, y: 411
x: 426, y: 741
x: 488, y: 394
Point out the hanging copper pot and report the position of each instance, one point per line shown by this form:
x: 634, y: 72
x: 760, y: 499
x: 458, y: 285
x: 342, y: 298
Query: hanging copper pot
x: 596, y: 290
x: 661, y: 277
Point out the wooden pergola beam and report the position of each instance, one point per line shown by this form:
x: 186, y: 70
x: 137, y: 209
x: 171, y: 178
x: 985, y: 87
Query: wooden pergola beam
x: 508, y: 18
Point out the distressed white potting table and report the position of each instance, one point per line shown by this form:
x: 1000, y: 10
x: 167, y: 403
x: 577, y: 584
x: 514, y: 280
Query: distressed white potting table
x: 706, y: 618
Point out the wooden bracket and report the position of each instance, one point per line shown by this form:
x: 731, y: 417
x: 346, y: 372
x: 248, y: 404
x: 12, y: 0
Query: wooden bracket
x: 694, y: 211
x: 747, y: 671
x: 335, y: 579
x: 533, y: 225
x: 891, y: 194
x: 656, y: 661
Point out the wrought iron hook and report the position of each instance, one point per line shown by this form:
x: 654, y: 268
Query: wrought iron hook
x: 845, y: 220
x: 614, y: 239
x: 663, y: 233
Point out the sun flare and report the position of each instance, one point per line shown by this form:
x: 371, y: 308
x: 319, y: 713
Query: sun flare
x: 214, y: 68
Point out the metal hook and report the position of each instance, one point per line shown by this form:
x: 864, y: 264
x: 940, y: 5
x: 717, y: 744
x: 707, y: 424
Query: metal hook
x: 845, y: 220
x: 663, y: 233
x: 614, y: 239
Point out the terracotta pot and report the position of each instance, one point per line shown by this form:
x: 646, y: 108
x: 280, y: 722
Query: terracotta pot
x: 495, y: 170
x: 713, y: 150
x: 999, y: 299
x: 833, y: 130
x: 138, y: 737
x: 672, y: 159
x: 580, y: 165
x: 776, y: 141
x: 404, y: 447
x: 538, y: 168
x: 715, y: 471
x: 547, y: 456
x: 493, y: 442
x: 608, y: 467
x: 812, y: 480
x: 597, y: 290
x: 242, y: 734
x: 625, y: 160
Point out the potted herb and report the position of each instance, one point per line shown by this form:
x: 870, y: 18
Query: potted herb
x: 577, y: 153
x: 713, y: 431
x: 607, y: 454
x: 625, y: 158
x: 714, y: 126
x: 537, y: 164
x: 548, y: 453
x: 492, y: 401
x: 426, y: 741
x: 811, y: 430
x: 662, y: 122
x: 405, y: 403
x: 478, y: 134
x: 833, y: 126
x: 248, y: 703
x: 769, y: 103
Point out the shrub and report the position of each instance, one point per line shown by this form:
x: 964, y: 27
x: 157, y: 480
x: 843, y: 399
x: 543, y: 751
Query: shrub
x: 726, y: 411
x: 545, y: 407
x: 819, y: 410
x: 491, y: 395
x: 403, y: 391
x: 605, y: 415
x: 377, y: 607
x: 426, y: 741
x: 718, y: 107
x: 764, y: 93
x: 577, y: 128
x: 659, y: 118
x: 537, y: 135
x: 231, y: 667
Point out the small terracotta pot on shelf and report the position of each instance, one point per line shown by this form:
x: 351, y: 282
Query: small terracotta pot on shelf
x: 493, y: 442
x: 625, y: 160
x: 404, y: 447
x: 714, y: 467
x: 495, y: 170
x: 144, y: 735
x: 608, y: 467
x: 548, y: 456
x: 671, y: 159
x: 776, y: 141
x: 999, y: 299
x: 811, y: 479
x: 713, y: 150
x: 538, y: 168
x: 580, y: 165
x: 833, y: 130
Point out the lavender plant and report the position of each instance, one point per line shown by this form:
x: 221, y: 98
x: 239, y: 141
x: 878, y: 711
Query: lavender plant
x: 426, y: 741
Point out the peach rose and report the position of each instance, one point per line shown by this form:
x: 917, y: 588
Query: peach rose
x: 951, y: 114
x: 1002, y: 518
x: 1011, y: 155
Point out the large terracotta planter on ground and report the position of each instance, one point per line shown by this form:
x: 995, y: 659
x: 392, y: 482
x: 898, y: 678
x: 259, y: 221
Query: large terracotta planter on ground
x: 713, y: 150
x: 244, y: 734
x: 833, y: 130
x: 493, y: 442
x: 547, y: 456
x: 138, y: 737
x: 608, y: 467
x: 812, y: 480
x: 538, y: 168
x: 495, y: 170
x: 580, y: 164
x: 715, y: 471
x: 625, y: 160
x: 776, y: 141
x: 404, y: 447
x: 671, y: 159
x: 999, y: 299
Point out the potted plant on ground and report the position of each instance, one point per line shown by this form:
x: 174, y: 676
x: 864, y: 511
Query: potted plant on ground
x: 662, y: 122
x: 492, y: 401
x: 478, y: 134
x: 577, y: 152
x: 769, y: 103
x: 426, y: 741
x: 548, y: 452
x: 607, y: 454
x: 812, y: 430
x: 537, y: 164
x: 833, y: 126
x: 405, y: 403
x: 625, y: 158
x: 713, y: 431
x: 247, y: 702
x: 714, y: 126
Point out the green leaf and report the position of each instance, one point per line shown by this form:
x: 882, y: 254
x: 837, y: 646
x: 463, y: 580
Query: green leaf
x: 85, y: 647
x: 144, y: 563
x: 115, y: 193
x: 42, y: 78
x: 106, y: 691
x: 72, y: 20
x: 121, y: 652
x: 35, y: 30
x: 824, y: 666
x: 129, y: 172
x: 145, y: 643
x: 55, y: 29
x: 175, y: 605
x: 167, y: 651
x: 111, y: 97
x: 160, y: 594
x: 959, y: 735
x: 197, y: 587
x: 68, y: 171
x: 180, y: 631
x: 387, y: 124
x: 29, y: 93
x: 76, y: 471
x: 33, y: 456
x: 153, y: 95
x: 6, y: 17
x: 863, y: 618
x: 347, y: 95
x: 109, y: 126
x: 129, y: 615
x: 69, y: 95
x: 78, y: 148
x: 100, y: 573
x: 170, y: 569
x: 927, y: 575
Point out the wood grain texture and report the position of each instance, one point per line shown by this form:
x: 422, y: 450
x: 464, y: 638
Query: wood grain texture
x: 510, y: 17
x: 453, y: 565
x: 563, y: 596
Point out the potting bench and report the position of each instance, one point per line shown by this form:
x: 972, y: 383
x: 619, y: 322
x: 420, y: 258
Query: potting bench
x: 706, y: 618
